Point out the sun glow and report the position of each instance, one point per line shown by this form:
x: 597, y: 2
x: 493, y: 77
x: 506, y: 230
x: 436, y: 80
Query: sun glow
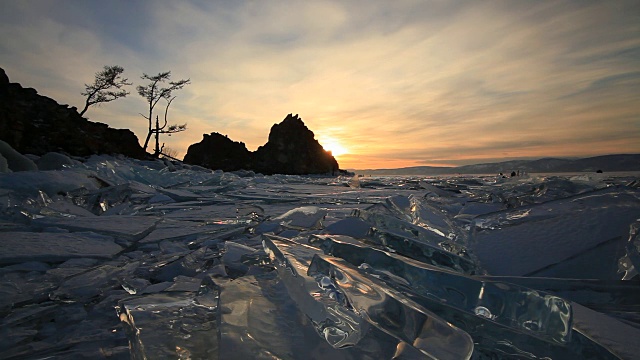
x: 334, y: 146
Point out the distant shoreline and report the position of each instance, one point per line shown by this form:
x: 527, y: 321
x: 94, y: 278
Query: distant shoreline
x: 634, y: 173
x: 604, y: 163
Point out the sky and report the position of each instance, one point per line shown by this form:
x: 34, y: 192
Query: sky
x: 384, y: 84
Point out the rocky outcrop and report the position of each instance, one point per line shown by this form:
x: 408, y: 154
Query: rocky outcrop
x: 292, y: 149
x: 35, y: 124
x: 217, y: 151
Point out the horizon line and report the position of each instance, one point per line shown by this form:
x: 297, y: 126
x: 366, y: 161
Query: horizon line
x: 492, y: 162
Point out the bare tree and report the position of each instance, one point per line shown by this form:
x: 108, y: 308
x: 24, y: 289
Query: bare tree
x: 106, y: 87
x: 171, y: 129
x: 153, y: 92
x: 169, y: 152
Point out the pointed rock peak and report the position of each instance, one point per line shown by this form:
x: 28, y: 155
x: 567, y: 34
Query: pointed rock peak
x: 291, y: 120
x: 291, y: 117
x: 4, y: 79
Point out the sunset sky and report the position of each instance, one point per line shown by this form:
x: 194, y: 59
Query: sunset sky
x: 394, y: 83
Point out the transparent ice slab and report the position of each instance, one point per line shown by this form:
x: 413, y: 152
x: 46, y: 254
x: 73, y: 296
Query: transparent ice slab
x: 170, y: 229
x: 617, y: 338
x: 543, y: 315
x: 456, y: 260
x: 629, y: 264
x: 176, y: 325
x: 615, y: 297
x: 303, y: 218
x: 385, y: 221
x: 92, y: 282
x: 390, y: 311
x: 127, y: 227
x: 505, y: 320
x: 338, y: 325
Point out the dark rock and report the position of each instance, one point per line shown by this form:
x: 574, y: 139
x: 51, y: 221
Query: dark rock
x: 4, y: 79
x: 292, y: 149
x: 217, y: 151
x: 36, y: 124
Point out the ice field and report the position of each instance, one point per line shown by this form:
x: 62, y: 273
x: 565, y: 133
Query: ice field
x: 115, y: 258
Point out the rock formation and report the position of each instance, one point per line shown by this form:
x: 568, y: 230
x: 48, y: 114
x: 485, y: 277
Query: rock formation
x: 292, y: 149
x: 35, y: 124
x: 217, y: 151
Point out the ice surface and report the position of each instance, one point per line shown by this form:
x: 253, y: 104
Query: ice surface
x: 554, y: 232
x: 207, y: 264
x: 618, y: 338
x: 17, y: 247
x: 125, y: 227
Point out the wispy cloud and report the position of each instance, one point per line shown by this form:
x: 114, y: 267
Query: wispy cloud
x: 398, y: 83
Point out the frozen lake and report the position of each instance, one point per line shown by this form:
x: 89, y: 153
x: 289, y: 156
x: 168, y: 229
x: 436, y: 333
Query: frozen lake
x: 116, y: 258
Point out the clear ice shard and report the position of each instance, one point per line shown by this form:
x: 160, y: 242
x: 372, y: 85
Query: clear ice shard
x: 339, y: 325
x: 618, y: 338
x: 305, y: 217
x: 539, y: 314
x: 388, y: 221
x: 351, y: 226
x: 614, y: 297
x: 390, y: 311
x: 629, y: 264
x: 257, y: 321
x: 424, y: 252
x: 173, y: 325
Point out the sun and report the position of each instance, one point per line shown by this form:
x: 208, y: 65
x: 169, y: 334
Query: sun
x: 334, y: 146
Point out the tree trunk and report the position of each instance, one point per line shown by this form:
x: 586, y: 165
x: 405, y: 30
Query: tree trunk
x: 157, y: 151
x: 146, y: 141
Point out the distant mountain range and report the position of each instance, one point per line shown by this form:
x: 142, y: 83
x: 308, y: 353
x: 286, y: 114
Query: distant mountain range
x: 605, y: 163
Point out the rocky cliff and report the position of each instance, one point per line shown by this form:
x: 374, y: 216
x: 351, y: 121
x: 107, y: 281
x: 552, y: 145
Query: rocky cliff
x: 218, y: 152
x: 35, y: 124
x: 292, y: 149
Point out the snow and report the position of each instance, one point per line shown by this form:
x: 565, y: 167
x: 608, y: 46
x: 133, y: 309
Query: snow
x: 207, y: 264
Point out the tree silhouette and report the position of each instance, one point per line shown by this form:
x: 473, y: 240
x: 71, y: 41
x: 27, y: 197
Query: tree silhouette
x: 166, y: 130
x: 169, y: 152
x: 153, y: 93
x: 106, y: 87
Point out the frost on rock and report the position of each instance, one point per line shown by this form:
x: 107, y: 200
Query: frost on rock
x: 204, y: 264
